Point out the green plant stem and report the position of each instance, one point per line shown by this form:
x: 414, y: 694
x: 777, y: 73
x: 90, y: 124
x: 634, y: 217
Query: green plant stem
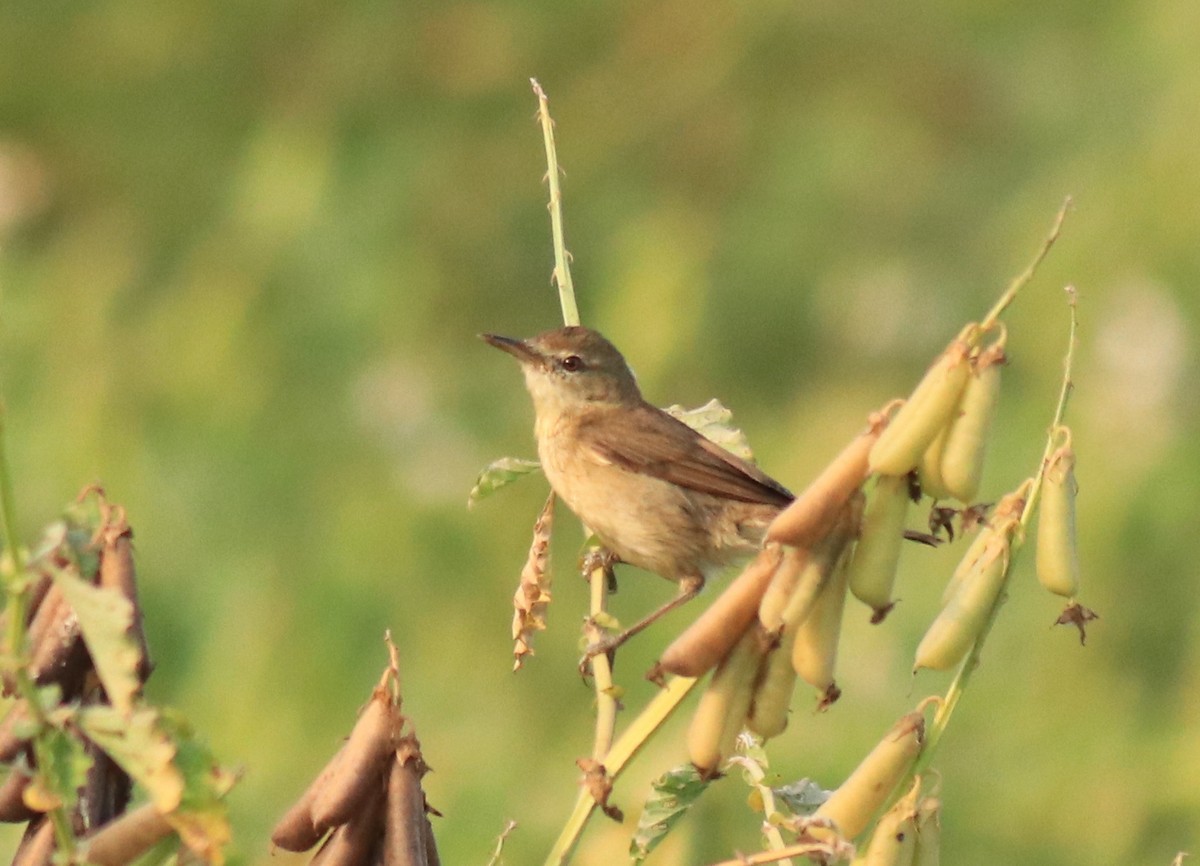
x: 770, y: 830
x: 562, y: 267
x: 622, y: 752
x: 950, y: 701
x: 8, y: 521
x: 1022, y: 279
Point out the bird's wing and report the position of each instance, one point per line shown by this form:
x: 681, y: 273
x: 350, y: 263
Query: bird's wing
x: 669, y: 449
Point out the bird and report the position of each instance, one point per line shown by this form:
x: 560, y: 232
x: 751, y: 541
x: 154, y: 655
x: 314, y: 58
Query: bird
x: 657, y: 494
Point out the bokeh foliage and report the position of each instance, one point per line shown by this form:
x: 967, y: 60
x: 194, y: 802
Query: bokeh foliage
x: 245, y: 249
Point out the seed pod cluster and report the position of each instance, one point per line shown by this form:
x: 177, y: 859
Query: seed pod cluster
x: 784, y: 614
x: 367, y: 802
x: 941, y: 430
x: 102, y: 555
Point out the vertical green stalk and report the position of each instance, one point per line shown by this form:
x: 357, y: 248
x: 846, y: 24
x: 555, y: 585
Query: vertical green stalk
x: 562, y: 259
x: 8, y: 522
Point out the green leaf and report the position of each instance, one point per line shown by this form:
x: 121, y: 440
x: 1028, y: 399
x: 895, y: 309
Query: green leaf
x: 160, y: 751
x: 105, y: 617
x: 674, y: 793
x: 500, y: 473
x: 715, y: 423
x: 801, y: 797
x: 63, y: 767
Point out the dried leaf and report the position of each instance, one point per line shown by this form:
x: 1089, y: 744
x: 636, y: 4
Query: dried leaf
x: 674, y: 793
x: 1079, y: 616
x: 715, y: 423
x: 105, y: 618
x: 802, y: 797
x: 532, y: 597
x: 500, y: 473
x: 141, y: 746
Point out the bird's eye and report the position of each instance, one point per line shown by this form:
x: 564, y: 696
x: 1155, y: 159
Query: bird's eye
x: 571, y: 363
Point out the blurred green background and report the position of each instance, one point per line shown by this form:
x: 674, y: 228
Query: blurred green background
x: 245, y: 249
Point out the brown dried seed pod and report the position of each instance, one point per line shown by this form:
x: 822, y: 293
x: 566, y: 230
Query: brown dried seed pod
x: 363, y: 756
x: 37, y: 845
x: 353, y: 843
x: 37, y: 594
x: 814, y: 511
x: 12, y: 801
x: 404, y: 824
x: 432, y: 857
x: 117, y: 572
x: 295, y: 831
x: 58, y: 654
x: 712, y: 636
x: 106, y: 793
x: 125, y: 839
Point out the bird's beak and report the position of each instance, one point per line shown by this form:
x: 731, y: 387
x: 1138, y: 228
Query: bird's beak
x: 519, y: 349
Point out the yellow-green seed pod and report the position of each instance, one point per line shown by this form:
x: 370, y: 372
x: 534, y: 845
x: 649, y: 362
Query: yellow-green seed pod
x: 929, y: 468
x: 962, y: 619
x: 725, y: 704
x: 814, y: 651
x: 965, y: 442
x: 773, y: 694
x: 927, y: 411
x: 872, y: 569
x: 1007, y: 509
x: 929, y: 833
x: 1057, y: 555
x: 894, y: 839
x: 783, y: 583
x: 852, y: 805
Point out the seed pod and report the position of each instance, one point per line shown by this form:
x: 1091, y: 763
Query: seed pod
x: 128, y: 837
x: 812, y: 514
x: 352, y: 843
x: 117, y: 572
x: 962, y: 619
x: 814, y: 652
x: 431, y: 852
x: 821, y: 563
x: 404, y: 821
x: 37, y: 845
x: 965, y: 443
x: 725, y: 704
x: 106, y: 791
x: 927, y: 411
x: 872, y: 569
x: 1007, y: 509
x: 893, y: 841
x: 929, y: 468
x: 779, y: 591
x: 853, y: 804
x: 712, y: 636
x: 773, y: 694
x: 369, y: 744
x: 1057, y: 555
x: 929, y: 833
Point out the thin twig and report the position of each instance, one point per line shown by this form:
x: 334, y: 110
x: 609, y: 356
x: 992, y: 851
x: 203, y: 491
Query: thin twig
x: 1022, y: 279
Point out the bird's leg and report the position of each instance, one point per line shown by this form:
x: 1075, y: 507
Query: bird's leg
x: 689, y: 587
x: 600, y: 557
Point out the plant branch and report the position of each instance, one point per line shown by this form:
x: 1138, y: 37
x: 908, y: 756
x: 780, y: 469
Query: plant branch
x: 562, y: 259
